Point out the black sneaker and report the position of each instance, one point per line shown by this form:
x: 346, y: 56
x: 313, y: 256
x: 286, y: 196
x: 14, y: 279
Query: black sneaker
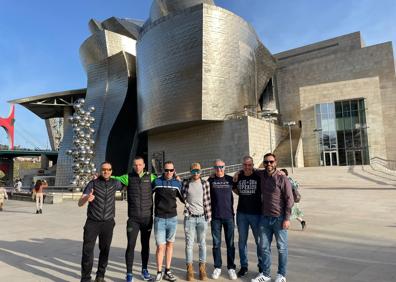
x: 242, y: 272
x: 168, y: 275
x: 37, y: 212
x: 40, y: 211
x: 303, y: 224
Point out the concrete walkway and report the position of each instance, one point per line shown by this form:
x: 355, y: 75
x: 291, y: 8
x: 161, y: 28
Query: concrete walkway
x: 350, y: 236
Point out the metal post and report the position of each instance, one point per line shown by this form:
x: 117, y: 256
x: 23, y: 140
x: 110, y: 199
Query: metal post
x: 291, y: 149
x: 290, y: 124
x: 270, y: 123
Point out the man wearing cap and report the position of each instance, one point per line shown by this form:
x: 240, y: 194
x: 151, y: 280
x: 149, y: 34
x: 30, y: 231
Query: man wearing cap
x: 222, y: 202
x: 140, y: 215
x: 197, y: 215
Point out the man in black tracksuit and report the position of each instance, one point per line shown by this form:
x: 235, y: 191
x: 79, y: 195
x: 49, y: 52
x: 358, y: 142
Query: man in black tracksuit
x: 100, y: 193
x: 140, y: 215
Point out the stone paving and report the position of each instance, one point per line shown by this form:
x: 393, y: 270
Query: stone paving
x: 350, y: 236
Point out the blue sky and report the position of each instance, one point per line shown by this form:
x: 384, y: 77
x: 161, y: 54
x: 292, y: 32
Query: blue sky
x: 40, y: 40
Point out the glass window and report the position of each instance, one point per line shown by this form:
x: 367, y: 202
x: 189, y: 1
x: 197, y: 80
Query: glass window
x: 331, y: 110
x: 340, y: 139
x: 356, y: 139
x: 348, y: 139
x: 323, y: 108
x: 338, y: 107
x: 350, y: 158
x: 358, y: 157
x: 342, y: 157
x: 339, y: 124
x: 361, y: 105
x: 317, y: 108
x: 354, y: 105
x: 362, y: 118
x: 346, y: 107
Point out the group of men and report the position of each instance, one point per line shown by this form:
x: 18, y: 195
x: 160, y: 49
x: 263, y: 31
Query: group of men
x: 264, y: 205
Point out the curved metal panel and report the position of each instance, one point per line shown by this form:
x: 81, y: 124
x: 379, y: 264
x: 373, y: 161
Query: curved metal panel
x: 110, y: 62
x: 104, y: 44
x: 161, y: 8
x: 169, y: 71
x: 203, y: 63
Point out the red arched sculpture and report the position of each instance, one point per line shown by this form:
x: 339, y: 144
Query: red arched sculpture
x: 8, y: 125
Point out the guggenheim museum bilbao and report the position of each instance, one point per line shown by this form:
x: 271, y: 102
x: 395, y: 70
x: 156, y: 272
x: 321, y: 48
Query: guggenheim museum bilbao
x: 195, y: 83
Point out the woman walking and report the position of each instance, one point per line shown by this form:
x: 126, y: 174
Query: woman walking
x: 39, y: 189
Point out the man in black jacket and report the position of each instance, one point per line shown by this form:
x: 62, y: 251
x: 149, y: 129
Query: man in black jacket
x: 140, y: 215
x: 100, y: 193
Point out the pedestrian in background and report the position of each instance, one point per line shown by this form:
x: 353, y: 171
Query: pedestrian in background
x: 297, y: 212
x: 39, y: 191
x: 3, y: 196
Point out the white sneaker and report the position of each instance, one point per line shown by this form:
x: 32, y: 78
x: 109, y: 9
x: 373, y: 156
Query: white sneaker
x: 232, y: 274
x: 216, y: 273
x: 261, y: 278
x: 280, y: 278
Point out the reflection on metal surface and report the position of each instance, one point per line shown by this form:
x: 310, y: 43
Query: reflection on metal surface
x: 196, y: 62
x: 109, y: 59
x: 210, y: 65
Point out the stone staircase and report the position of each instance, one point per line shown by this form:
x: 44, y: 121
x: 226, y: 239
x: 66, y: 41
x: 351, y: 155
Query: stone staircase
x: 282, y: 151
x: 345, y: 176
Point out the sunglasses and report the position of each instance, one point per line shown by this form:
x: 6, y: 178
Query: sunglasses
x: 169, y: 170
x: 268, y: 162
x: 218, y: 167
x: 106, y: 169
x: 195, y: 171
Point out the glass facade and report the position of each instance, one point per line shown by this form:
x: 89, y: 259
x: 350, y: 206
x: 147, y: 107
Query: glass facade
x: 342, y: 133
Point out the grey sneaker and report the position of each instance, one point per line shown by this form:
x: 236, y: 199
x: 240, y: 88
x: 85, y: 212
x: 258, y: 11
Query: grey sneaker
x: 168, y: 275
x: 158, y: 277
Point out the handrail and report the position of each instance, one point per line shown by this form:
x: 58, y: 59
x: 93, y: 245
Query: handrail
x: 209, y: 170
x: 387, y: 164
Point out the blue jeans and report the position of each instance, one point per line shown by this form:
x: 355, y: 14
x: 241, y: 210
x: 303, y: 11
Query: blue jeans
x: 195, y: 227
x: 270, y: 226
x: 165, y: 229
x: 245, y: 220
x: 228, y: 225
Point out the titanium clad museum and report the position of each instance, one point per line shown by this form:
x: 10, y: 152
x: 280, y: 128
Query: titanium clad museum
x: 194, y: 83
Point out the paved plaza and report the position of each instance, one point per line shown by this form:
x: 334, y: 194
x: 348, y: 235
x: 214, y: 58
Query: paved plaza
x: 350, y: 236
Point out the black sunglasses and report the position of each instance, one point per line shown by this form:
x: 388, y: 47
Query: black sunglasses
x: 169, y: 170
x: 268, y: 162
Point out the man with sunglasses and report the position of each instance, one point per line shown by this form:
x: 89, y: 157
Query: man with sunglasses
x: 248, y: 187
x: 100, y: 193
x: 197, y: 215
x: 140, y: 215
x: 166, y: 189
x: 222, y: 202
x: 277, y: 202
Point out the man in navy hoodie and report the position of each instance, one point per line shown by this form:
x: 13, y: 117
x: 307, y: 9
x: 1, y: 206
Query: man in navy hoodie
x: 166, y: 189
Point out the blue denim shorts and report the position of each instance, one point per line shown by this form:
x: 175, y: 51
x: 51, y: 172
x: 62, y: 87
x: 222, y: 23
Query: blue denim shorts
x: 165, y: 230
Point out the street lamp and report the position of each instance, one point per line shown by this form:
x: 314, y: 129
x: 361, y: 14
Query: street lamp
x: 270, y: 115
x: 290, y: 124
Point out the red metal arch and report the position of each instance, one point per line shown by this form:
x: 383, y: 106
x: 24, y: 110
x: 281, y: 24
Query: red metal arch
x: 8, y: 125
